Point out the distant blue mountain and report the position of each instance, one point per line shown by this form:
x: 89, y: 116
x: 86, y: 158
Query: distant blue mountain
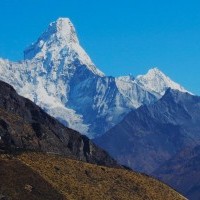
x: 152, y: 139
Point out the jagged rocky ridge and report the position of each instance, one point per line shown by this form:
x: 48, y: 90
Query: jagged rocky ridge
x: 59, y: 76
x: 153, y: 134
x: 25, y: 126
x: 182, y: 172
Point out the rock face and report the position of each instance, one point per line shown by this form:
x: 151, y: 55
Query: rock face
x: 182, y: 172
x: 59, y: 76
x: 23, y: 125
x: 153, y: 134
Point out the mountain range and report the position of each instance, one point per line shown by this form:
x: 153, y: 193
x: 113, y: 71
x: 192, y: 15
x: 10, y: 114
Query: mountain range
x: 147, y: 122
x: 41, y: 159
x: 161, y: 139
x: 58, y: 75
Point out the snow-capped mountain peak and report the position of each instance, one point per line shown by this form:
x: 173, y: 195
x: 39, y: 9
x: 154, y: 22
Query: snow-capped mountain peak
x: 155, y: 72
x: 155, y: 81
x: 64, y: 30
x: 59, y: 34
x: 59, y: 76
x: 152, y: 73
x: 60, y: 44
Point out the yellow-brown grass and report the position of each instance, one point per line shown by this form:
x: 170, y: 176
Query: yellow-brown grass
x: 75, y: 180
x: 20, y: 182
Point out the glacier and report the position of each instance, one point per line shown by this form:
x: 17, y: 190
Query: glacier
x: 59, y: 76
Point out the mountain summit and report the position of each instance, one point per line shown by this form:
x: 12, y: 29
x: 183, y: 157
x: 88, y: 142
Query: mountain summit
x: 59, y: 76
x: 59, y: 34
x: 60, y: 42
x: 155, y: 81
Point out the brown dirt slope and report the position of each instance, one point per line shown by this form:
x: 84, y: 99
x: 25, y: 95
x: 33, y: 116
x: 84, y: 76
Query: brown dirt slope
x: 75, y: 180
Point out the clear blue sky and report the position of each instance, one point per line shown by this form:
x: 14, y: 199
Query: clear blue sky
x: 121, y: 37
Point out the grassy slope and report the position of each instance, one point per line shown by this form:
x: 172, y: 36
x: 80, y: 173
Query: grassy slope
x: 76, y: 180
x: 14, y: 176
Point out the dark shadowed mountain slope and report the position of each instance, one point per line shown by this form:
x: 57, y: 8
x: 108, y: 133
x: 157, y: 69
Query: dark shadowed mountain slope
x: 54, y: 177
x: 151, y: 135
x: 23, y: 125
x: 183, y: 172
